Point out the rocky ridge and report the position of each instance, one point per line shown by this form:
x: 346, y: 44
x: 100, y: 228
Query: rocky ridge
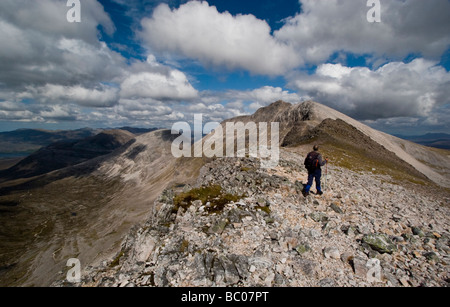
x: 298, y: 122
x: 241, y: 225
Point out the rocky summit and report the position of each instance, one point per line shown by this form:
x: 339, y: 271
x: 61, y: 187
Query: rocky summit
x: 243, y: 225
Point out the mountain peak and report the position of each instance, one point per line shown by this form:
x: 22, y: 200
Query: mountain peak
x: 299, y: 125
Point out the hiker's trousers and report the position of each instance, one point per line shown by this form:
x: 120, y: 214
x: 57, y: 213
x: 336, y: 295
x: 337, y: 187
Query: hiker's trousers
x: 314, y: 175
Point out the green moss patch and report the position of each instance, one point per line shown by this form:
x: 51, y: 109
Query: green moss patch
x: 265, y: 209
x: 116, y: 260
x: 213, y: 194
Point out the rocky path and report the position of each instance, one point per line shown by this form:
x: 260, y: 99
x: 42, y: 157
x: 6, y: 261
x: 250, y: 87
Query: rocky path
x: 252, y: 227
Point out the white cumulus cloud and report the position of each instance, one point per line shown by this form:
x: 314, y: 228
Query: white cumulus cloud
x: 396, y: 89
x: 103, y: 96
x: 171, y: 86
x: 198, y: 31
x: 323, y: 28
x: 407, y: 26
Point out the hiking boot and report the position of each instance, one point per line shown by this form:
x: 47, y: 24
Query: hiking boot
x: 305, y: 193
x: 319, y: 193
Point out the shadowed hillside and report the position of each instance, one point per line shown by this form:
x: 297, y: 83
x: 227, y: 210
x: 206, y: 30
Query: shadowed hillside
x: 83, y: 210
x: 67, y: 153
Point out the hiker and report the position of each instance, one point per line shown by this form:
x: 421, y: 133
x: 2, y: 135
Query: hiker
x: 313, y: 164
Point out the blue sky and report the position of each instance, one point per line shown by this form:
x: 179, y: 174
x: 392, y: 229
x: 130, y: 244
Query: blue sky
x: 152, y: 63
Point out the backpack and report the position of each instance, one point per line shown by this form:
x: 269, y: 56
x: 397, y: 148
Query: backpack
x: 312, y: 161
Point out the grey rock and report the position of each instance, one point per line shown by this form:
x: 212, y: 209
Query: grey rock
x: 235, y: 215
x: 307, y: 266
x: 303, y: 248
x: 409, y: 238
x: 417, y: 231
x: 273, y: 235
x: 218, y: 272
x: 280, y: 280
x: 326, y: 283
x: 442, y: 246
x: 349, y: 230
x: 360, y: 267
x: 380, y: 243
x: 396, y: 217
x: 331, y: 252
x: 218, y: 227
x: 431, y: 256
x: 318, y: 217
x: 241, y: 264
x: 391, y: 279
x: 315, y: 234
x: 261, y: 262
x: 199, y: 267
x: 160, y: 277
x: 230, y: 271
x: 164, y: 214
x: 336, y: 208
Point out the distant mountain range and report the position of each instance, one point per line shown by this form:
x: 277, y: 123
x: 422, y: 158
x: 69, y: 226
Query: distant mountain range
x: 23, y: 142
x: 66, y: 153
x: 437, y: 140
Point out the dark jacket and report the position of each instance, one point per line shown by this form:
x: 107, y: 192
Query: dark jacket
x: 318, y: 156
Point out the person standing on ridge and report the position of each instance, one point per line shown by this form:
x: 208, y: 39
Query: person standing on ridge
x: 313, y: 164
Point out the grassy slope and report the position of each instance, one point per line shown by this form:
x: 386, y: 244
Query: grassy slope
x: 347, y: 147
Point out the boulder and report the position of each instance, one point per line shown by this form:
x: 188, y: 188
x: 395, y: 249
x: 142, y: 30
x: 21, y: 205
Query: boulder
x: 380, y: 242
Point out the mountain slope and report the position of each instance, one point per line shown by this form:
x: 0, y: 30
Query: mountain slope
x: 83, y: 211
x: 399, y: 147
x: 67, y: 153
x: 300, y: 124
x: 26, y: 141
x: 436, y: 140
